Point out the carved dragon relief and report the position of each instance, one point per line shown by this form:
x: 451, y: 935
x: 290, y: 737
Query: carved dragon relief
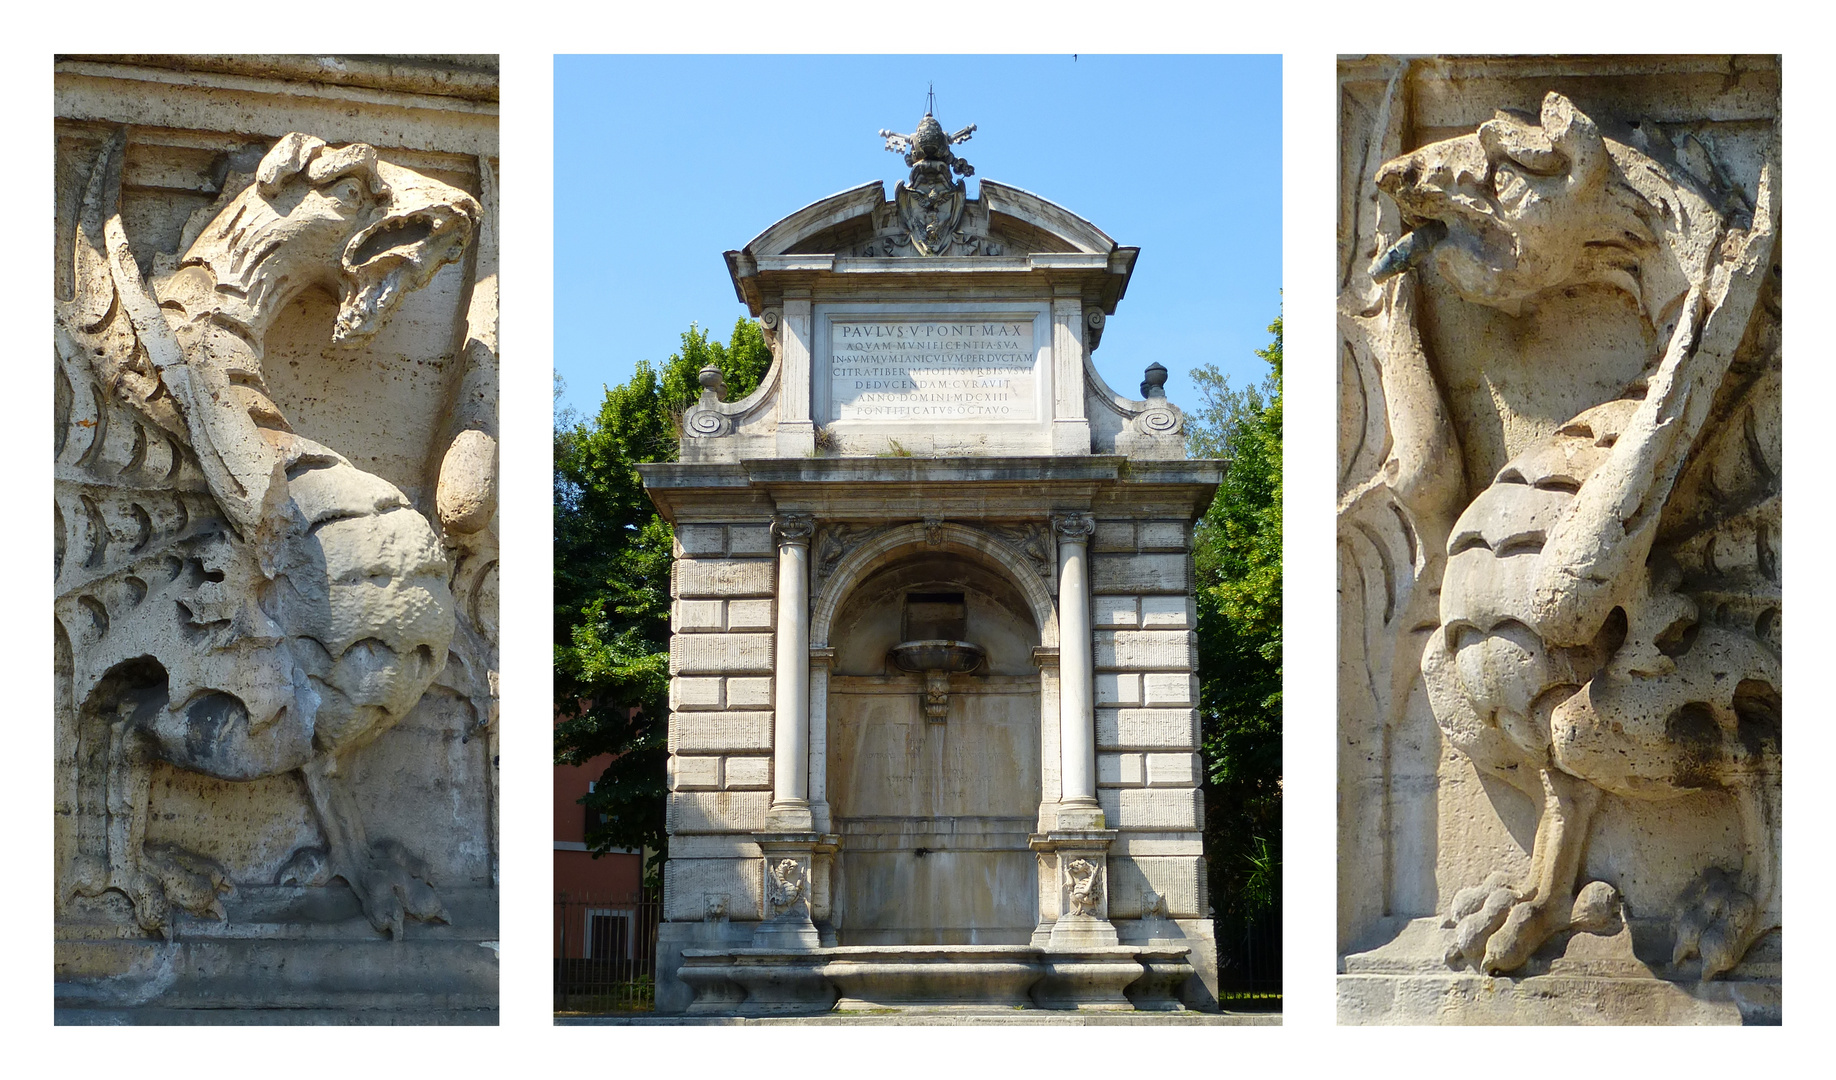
x: 1608, y: 606
x: 234, y: 599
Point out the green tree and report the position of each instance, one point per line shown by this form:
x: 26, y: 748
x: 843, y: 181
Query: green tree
x: 1237, y: 557
x: 612, y: 559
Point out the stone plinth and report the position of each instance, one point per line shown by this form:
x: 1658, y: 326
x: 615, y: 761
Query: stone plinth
x: 1579, y: 978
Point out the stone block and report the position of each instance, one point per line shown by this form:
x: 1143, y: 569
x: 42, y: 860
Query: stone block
x: 749, y: 693
x: 694, y: 773
x: 750, y: 540
x: 719, y: 811
x: 726, y: 578
x: 749, y: 615
x: 688, y: 616
x: 1168, y: 689
x: 1163, y: 535
x: 1146, y: 650
x: 1165, y: 612
x: 1113, y: 536
x: 688, y: 885
x: 1172, y: 770
x: 1178, y: 881
x: 1119, y: 770
x: 719, y: 732
x: 1146, y: 808
x: 697, y: 540
x: 1170, y: 729
x: 1114, y: 611
x: 1139, y: 574
x: 1118, y: 688
x: 745, y: 773
x: 689, y: 693
x: 719, y: 653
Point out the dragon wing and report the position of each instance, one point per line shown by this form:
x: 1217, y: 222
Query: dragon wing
x: 129, y: 391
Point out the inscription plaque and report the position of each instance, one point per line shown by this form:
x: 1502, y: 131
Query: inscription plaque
x: 932, y: 370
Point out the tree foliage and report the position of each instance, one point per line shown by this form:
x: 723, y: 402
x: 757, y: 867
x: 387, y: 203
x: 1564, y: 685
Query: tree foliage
x: 1237, y: 556
x: 612, y: 560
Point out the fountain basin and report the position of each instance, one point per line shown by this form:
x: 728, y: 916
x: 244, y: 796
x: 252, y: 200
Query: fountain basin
x: 937, y: 654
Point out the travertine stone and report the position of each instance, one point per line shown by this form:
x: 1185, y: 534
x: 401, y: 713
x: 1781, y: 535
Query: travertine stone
x: 276, y: 493
x: 1119, y: 770
x: 1172, y: 770
x: 717, y: 812
x: 1113, y: 536
x: 724, y: 577
x: 1559, y: 514
x: 720, y: 653
x: 910, y: 671
x: 689, y: 882
x: 1147, y: 728
x: 696, y: 693
x: 1120, y: 688
x: 749, y: 693
x: 1167, y: 612
x: 1115, y: 611
x: 1149, y: 808
x: 1139, y: 574
x: 705, y: 732
x: 1164, y: 689
x: 693, y: 773
x: 687, y: 616
x: 1164, y: 535
x: 748, y: 773
x: 1153, y: 650
x: 750, y: 615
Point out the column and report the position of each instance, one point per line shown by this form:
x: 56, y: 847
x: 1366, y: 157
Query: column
x: 1077, y: 803
x: 790, y: 776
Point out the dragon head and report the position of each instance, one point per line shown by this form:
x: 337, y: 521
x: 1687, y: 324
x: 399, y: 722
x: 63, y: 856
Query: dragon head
x: 1520, y: 207
x: 370, y: 231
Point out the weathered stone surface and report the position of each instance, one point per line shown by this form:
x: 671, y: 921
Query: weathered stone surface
x: 725, y: 577
x: 693, y: 773
x: 1147, y: 728
x: 1148, y: 808
x: 720, y: 653
x: 719, y: 732
x: 717, y: 812
x: 748, y: 773
x: 1139, y: 574
x: 1560, y: 568
x: 1163, y: 689
x: 1149, y: 650
x: 1120, y: 770
x: 749, y: 693
x: 916, y: 638
x: 1120, y: 687
x: 276, y: 491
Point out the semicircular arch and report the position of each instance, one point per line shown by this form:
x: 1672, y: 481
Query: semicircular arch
x: 855, y: 566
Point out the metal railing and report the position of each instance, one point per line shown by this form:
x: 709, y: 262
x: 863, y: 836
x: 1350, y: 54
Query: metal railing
x: 1249, y: 965
x: 606, y: 952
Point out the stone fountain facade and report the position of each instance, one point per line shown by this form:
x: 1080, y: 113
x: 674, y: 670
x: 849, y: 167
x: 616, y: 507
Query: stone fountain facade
x: 933, y: 737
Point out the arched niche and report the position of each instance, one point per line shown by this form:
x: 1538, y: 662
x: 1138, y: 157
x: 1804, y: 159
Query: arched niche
x: 934, y: 813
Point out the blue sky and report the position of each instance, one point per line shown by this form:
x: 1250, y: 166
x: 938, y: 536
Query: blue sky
x: 664, y: 162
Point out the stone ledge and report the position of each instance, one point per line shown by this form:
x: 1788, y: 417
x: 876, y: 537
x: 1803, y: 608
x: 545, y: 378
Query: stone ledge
x: 941, y: 1018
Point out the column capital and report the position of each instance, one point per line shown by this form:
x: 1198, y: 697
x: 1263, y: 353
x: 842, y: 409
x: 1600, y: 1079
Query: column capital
x: 1074, y: 526
x: 793, y: 529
